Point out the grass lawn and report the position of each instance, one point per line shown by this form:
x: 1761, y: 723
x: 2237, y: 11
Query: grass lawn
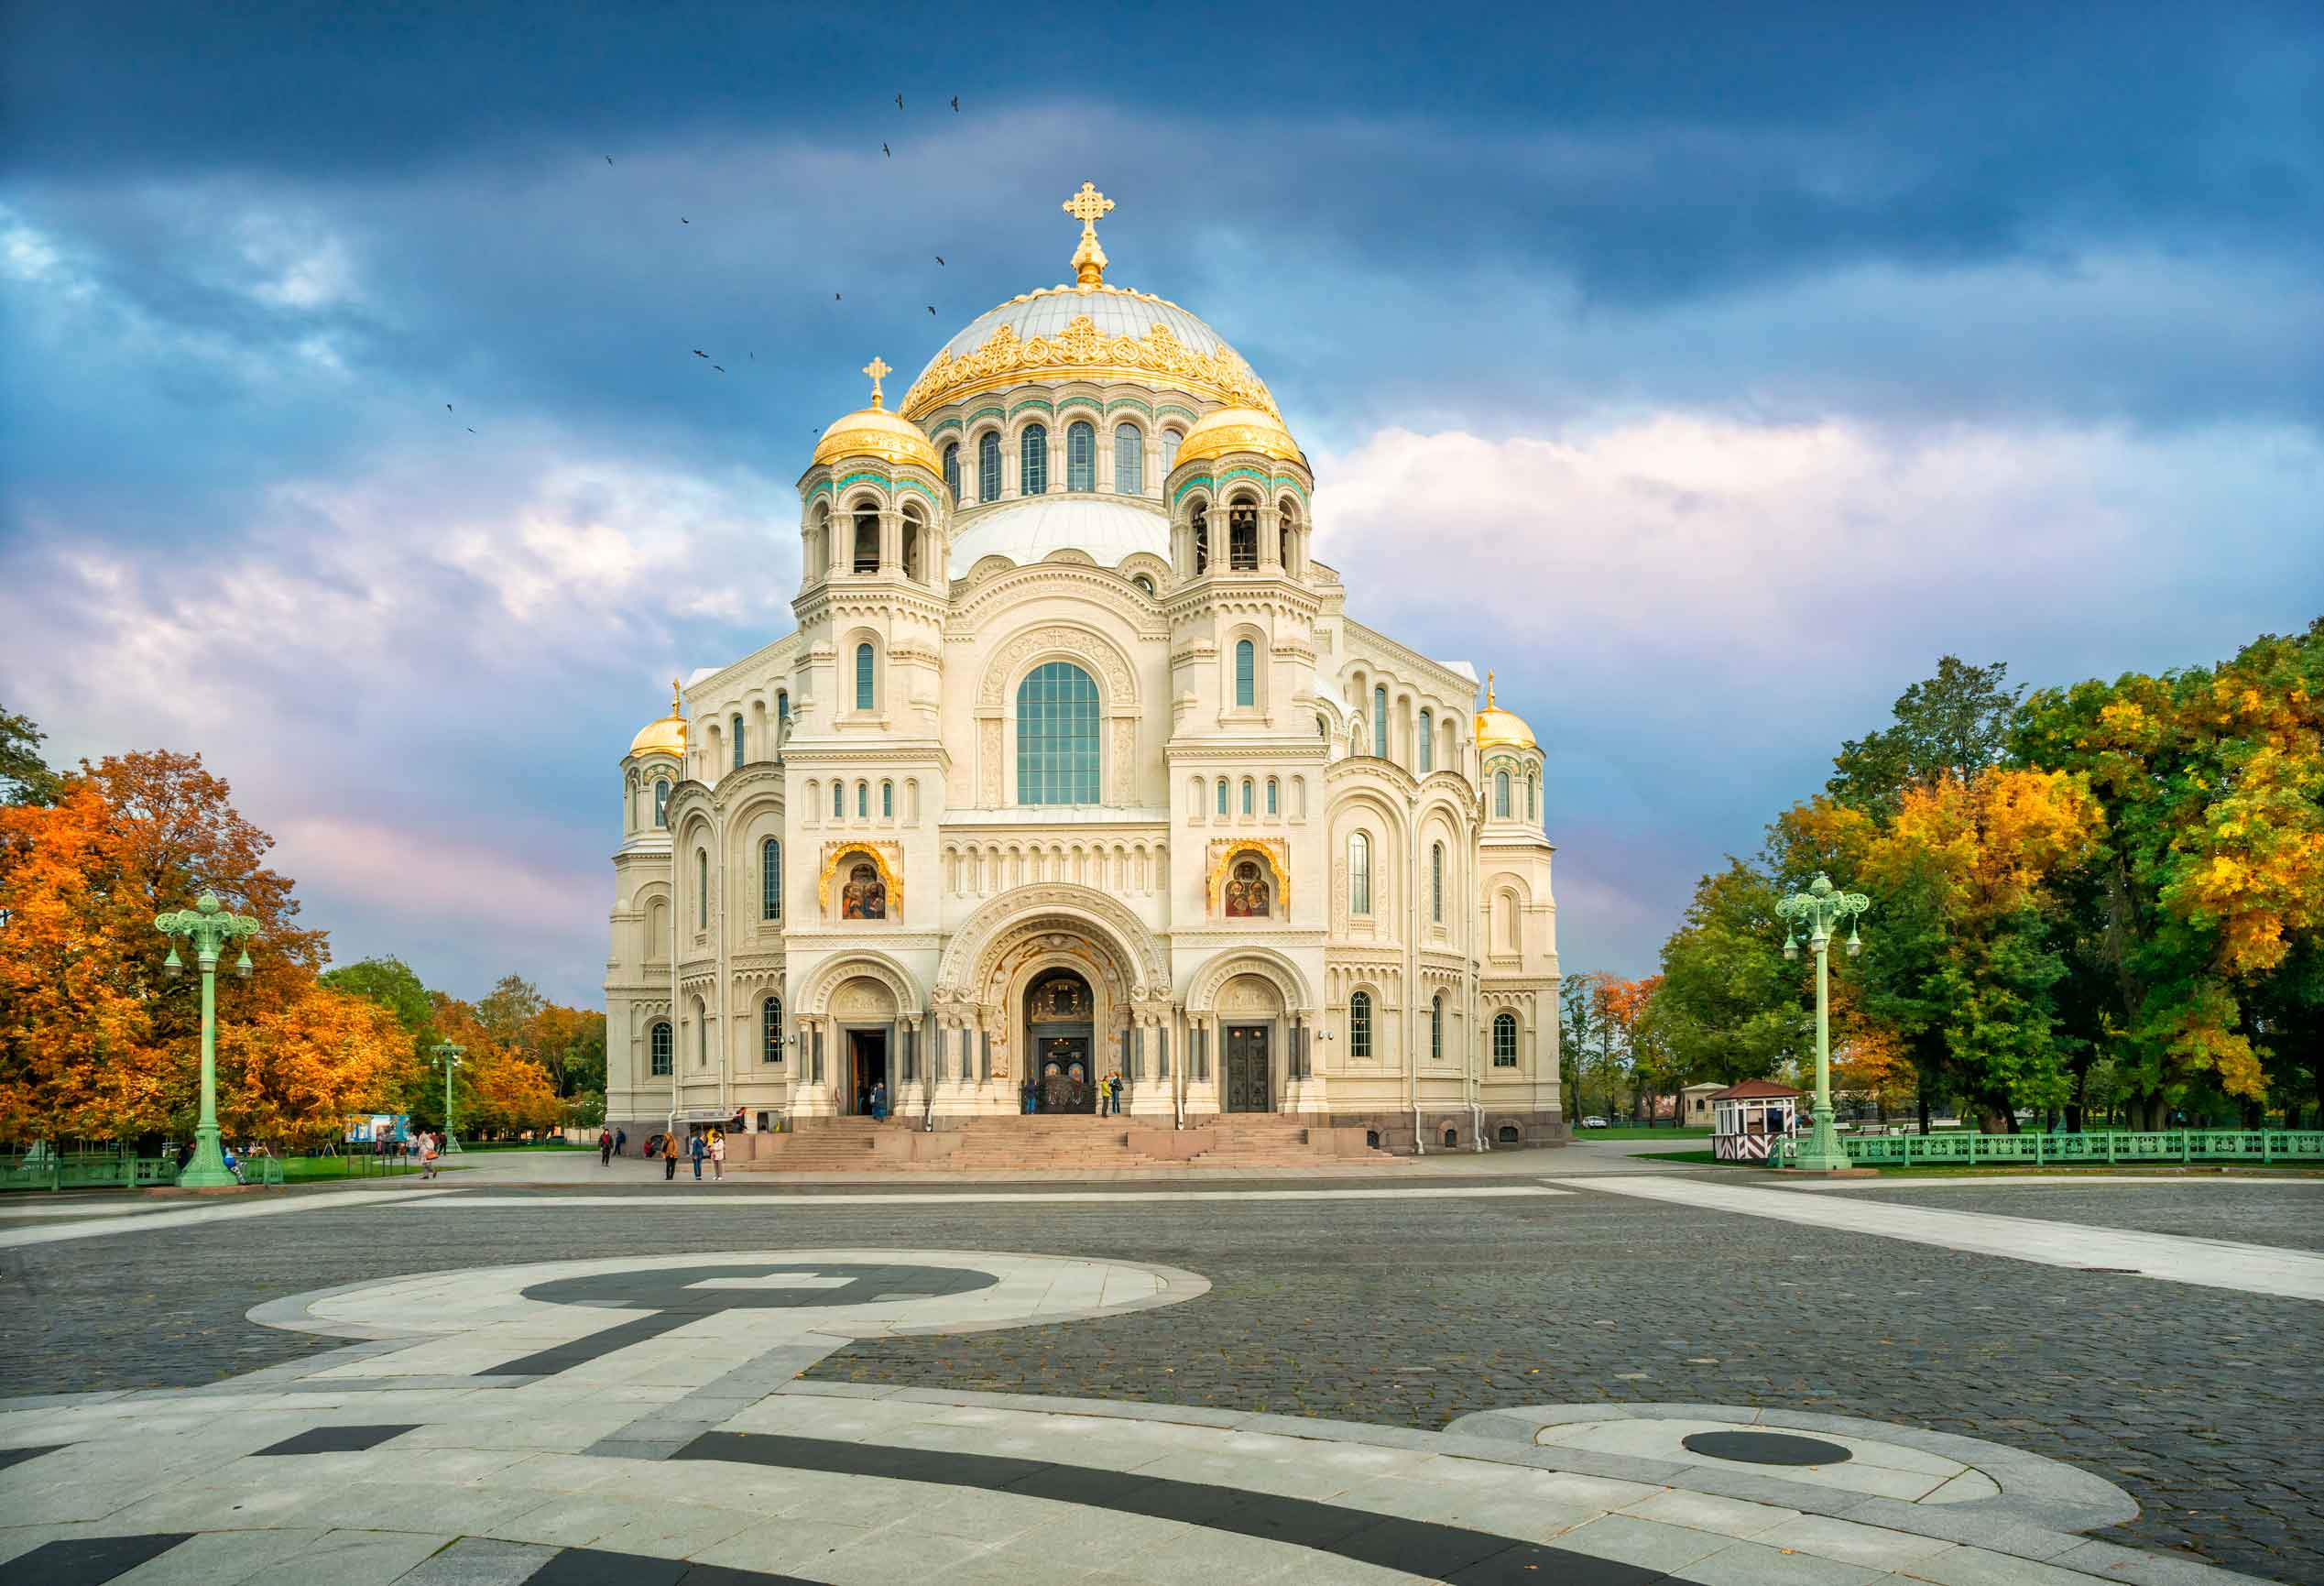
x: 1632, y: 1132
x: 524, y: 1145
x: 320, y: 1169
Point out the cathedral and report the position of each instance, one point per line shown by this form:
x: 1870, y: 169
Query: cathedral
x: 1074, y: 770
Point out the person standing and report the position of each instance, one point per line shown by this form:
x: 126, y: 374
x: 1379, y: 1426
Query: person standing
x: 697, y: 1148
x: 621, y: 1139
x: 718, y: 1153
x: 879, y: 1100
x: 670, y: 1156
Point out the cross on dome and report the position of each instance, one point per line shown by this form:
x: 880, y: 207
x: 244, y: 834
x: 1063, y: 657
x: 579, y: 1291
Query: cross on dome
x: 878, y: 371
x: 1089, y: 260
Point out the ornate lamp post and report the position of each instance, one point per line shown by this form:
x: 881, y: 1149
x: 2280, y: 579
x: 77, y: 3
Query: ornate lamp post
x: 206, y: 928
x: 1819, y: 909
x: 448, y: 1058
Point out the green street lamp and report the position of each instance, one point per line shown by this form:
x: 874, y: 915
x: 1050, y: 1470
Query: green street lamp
x: 448, y: 1056
x: 206, y: 928
x: 1819, y: 909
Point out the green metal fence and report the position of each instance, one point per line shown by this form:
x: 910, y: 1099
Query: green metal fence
x: 2181, y: 1145
x: 50, y: 1170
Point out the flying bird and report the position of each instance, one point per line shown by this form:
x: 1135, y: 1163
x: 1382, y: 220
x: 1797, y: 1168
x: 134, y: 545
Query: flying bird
x: 472, y: 429
x: 609, y: 159
x: 700, y: 354
x: 447, y: 406
x: 900, y: 102
x: 940, y: 258
x: 955, y: 104
x: 683, y: 221
x: 886, y: 150
x: 932, y: 308
x: 835, y: 297
x: 720, y: 367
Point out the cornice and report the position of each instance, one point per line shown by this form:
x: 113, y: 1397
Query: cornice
x: 1454, y: 683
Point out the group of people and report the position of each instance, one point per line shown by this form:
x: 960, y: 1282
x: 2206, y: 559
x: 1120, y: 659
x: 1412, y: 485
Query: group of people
x: 707, y: 1145
x: 1109, y: 1091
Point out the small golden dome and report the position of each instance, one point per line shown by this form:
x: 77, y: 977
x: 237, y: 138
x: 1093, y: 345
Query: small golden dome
x: 1227, y: 430
x: 666, y: 736
x: 1499, y: 728
x: 874, y: 432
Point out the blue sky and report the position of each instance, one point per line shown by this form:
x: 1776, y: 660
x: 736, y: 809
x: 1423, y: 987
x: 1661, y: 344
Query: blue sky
x: 1707, y: 371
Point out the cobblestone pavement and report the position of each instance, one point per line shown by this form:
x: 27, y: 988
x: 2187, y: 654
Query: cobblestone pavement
x: 2203, y: 1404
x: 2290, y: 1215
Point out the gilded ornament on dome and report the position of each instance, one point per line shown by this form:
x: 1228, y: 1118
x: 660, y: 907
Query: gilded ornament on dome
x: 1082, y: 351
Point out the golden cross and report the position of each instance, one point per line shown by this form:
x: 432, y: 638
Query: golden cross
x: 1089, y: 259
x: 879, y: 372
x: 1489, y: 691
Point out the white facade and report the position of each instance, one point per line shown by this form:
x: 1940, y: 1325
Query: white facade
x: 1088, y: 729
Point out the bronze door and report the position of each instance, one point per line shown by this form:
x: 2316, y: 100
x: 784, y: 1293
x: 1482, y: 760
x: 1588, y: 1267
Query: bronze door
x: 1245, y: 1069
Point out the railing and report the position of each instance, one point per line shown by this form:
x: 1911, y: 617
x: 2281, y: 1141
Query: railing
x: 2181, y: 1145
x: 95, y: 1171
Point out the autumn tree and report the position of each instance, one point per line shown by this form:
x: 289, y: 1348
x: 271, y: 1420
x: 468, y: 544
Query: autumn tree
x: 1954, y: 724
x: 24, y: 777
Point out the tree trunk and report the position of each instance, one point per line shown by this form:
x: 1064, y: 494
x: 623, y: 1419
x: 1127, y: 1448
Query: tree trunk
x: 1924, y: 1108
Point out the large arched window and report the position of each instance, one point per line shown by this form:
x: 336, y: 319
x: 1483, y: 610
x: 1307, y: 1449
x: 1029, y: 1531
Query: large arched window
x: 867, y: 540
x: 1032, y: 460
x: 1242, y: 538
x: 1380, y: 721
x: 1500, y: 795
x: 1504, y: 1040
x: 771, y: 1029
x: 951, y: 472
x: 1436, y: 883
x: 1057, y: 736
x: 1246, y: 673
x: 1081, y: 456
x: 1359, y: 1024
x: 913, y: 539
x: 770, y: 880
x: 1130, y: 461
x: 1436, y: 1028
x: 1201, y: 538
x: 658, y: 1042
x: 1169, y: 440
x: 737, y: 733
x: 866, y: 663
x: 1359, y: 873
x: 661, y: 804
x: 702, y: 890
x: 988, y: 465
x: 1427, y: 741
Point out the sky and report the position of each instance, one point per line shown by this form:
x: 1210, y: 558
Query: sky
x: 1706, y: 371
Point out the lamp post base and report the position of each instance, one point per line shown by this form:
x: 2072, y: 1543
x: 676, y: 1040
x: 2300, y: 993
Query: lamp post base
x: 207, y: 1167
x: 1823, y: 1153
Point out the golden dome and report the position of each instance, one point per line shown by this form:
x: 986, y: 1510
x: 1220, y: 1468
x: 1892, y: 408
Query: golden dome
x: 666, y: 736
x: 1226, y: 429
x: 1499, y: 728
x: 874, y: 432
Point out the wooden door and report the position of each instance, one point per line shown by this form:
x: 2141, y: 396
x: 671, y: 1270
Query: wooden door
x: 1245, y: 1070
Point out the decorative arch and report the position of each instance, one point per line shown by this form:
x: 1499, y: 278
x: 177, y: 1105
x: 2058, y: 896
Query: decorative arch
x: 1201, y: 992
x: 814, y: 999
x: 975, y: 949
x: 885, y: 856
x: 1092, y: 650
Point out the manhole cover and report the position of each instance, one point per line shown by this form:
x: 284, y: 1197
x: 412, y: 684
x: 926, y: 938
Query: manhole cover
x: 1764, y: 1447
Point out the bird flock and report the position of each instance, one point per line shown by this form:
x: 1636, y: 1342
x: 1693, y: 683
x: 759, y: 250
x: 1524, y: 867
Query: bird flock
x: 886, y: 152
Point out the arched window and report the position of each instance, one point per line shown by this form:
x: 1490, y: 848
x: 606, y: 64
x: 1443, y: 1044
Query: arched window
x: 863, y: 801
x: 865, y: 662
x: 701, y: 1037
x: 1427, y: 741
x: 1436, y: 883
x: 771, y: 1029
x: 1380, y: 721
x: 1436, y: 1028
x: 1251, y: 797
x: 1081, y: 456
x: 867, y: 540
x: 1130, y: 461
x: 988, y: 465
x: 1246, y: 673
x: 702, y: 890
x: 1359, y: 1024
x: 737, y: 732
x: 1359, y: 873
x: 1169, y: 440
x: 1222, y: 795
x: 658, y: 1042
x: 1323, y: 727
x: 1242, y: 538
x: 1500, y: 794
x: 838, y: 799
x: 1271, y: 806
x: 1201, y: 538
x: 661, y: 804
x: 1145, y: 584
x: 1529, y: 797
x: 1504, y: 1040
x: 1057, y: 736
x: 1286, y: 521
x: 951, y: 472
x: 911, y: 546
x: 1032, y: 460
x: 770, y: 880
x: 782, y: 710
x: 887, y: 801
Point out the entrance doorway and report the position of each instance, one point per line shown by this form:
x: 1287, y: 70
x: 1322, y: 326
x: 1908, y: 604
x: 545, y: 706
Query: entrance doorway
x: 1245, y: 1070
x: 867, y: 1066
x: 1058, y: 1010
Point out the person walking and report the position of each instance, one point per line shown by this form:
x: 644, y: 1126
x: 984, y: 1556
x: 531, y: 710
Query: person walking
x: 621, y: 1139
x: 604, y: 1147
x: 879, y: 1101
x: 427, y: 1157
x: 697, y: 1148
x: 670, y: 1156
x: 718, y: 1153
x: 1028, y: 1098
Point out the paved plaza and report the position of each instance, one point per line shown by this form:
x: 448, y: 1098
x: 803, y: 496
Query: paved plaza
x: 1577, y: 1366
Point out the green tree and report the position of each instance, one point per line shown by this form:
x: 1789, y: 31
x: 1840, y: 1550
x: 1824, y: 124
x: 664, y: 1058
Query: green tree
x: 1729, y: 1006
x: 23, y: 775
x: 510, y: 1011
x: 1579, y: 1039
x: 391, y: 983
x: 1956, y: 723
